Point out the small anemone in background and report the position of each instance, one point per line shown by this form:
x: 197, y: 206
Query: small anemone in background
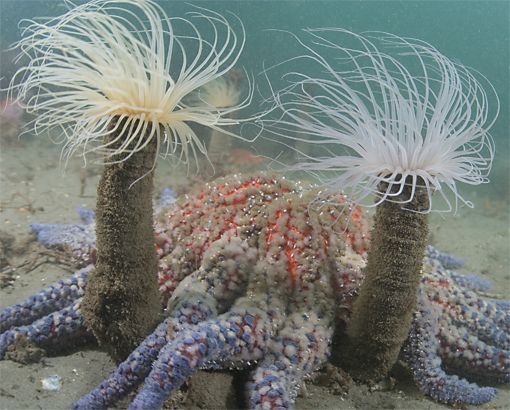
x: 402, y: 125
x: 113, y: 76
x: 223, y: 92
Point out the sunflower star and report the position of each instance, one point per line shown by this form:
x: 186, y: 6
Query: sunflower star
x: 254, y: 270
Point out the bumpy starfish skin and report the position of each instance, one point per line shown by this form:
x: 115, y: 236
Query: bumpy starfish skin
x: 255, y: 270
x: 454, y: 327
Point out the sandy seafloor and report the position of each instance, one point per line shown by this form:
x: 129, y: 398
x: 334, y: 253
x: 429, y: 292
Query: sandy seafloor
x: 33, y: 189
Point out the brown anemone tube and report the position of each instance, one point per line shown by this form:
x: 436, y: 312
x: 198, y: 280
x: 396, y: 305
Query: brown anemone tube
x: 122, y: 302
x: 383, y: 310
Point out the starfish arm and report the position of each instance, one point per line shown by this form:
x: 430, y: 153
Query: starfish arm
x: 74, y: 235
x: 474, y: 336
x: 421, y: 355
x: 448, y: 261
x: 187, y: 309
x: 300, y: 348
x: 55, y: 297
x: 129, y: 375
x: 88, y: 216
x: 80, y: 240
x: 470, y: 282
x: 467, y: 282
x: 190, y: 308
x: 474, y: 357
x: 483, y: 319
x: 55, y: 331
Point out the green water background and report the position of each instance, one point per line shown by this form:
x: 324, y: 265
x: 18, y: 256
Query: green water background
x: 476, y: 33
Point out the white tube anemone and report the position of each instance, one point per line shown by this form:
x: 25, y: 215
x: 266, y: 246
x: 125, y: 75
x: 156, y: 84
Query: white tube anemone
x: 124, y: 59
x: 426, y: 121
x: 221, y: 92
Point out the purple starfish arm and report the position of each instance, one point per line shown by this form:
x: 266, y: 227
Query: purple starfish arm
x: 78, y: 239
x: 81, y: 238
x: 467, y: 313
x: 74, y: 235
x: 445, y: 259
x: 492, y: 323
x: 234, y: 336
x: 186, y: 313
x: 129, y: 375
x: 468, y: 282
x: 55, y: 297
x: 53, y: 332
x: 88, y: 216
x: 302, y: 347
x: 471, y: 282
x: 421, y: 355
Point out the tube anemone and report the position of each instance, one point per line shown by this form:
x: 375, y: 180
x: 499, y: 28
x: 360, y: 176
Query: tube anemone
x: 221, y: 93
x: 398, y: 125
x: 412, y: 123
x: 224, y: 91
x: 112, y: 75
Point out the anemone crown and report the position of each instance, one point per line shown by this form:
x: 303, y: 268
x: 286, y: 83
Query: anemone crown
x: 126, y: 59
x: 415, y: 114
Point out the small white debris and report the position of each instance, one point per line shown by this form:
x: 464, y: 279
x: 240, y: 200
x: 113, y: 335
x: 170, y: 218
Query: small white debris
x: 53, y: 383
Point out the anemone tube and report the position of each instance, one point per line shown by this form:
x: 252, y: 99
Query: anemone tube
x: 122, y: 301
x: 383, y: 310
x: 221, y: 93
